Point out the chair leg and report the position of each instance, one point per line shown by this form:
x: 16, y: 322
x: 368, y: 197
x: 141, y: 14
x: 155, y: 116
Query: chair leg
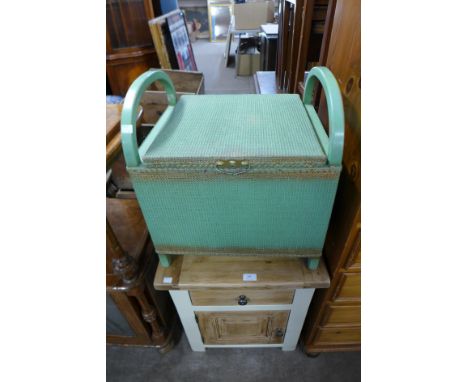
x: 165, y: 260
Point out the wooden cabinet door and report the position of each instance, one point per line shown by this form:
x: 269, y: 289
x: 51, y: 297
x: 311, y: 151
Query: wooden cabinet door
x: 259, y: 327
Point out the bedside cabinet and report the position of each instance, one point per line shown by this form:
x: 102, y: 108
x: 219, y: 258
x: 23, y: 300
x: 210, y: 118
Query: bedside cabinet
x: 239, y: 301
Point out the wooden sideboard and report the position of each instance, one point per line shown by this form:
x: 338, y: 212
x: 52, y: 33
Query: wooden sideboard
x: 334, y: 321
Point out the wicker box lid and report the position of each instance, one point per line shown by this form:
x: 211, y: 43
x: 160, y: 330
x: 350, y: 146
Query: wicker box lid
x: 268, y: 129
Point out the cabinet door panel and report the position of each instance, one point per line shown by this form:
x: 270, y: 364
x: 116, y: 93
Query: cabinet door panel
x: 261, y: 327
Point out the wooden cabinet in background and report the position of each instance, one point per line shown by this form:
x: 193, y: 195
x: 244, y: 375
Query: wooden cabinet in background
x: 334, y: 321
x: 129, y: 47
x: 301, y: 34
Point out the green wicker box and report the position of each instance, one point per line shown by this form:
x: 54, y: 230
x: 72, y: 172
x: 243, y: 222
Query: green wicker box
x: 236, y: 174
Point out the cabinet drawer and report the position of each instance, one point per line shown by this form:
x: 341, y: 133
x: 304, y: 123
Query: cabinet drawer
x: 262, y: 327
x: 210, y: 297
x: 348, y: 288
x: 343, y: 336
x: 341, y: 315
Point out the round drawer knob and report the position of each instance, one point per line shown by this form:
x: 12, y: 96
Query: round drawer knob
x: 279, y: 333
x: 242, y: 300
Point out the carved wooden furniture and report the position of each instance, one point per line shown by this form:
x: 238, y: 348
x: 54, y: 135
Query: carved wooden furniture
x: 301, y: 33
x: 334, y: 323
x: 230, y: 301
x: 136, y: 313
x: 129, y: 48
x: 147, y: 312
x: 250, y: 175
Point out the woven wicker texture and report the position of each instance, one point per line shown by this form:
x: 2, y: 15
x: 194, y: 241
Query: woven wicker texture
x: 237, y: 126
x: 231, y: 212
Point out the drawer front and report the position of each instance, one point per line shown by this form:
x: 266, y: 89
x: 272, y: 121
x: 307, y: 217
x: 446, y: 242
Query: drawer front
x: 341, y: 315
x: 336, y: 336
x: 213, y: 297
x: 348, y: 288
x: 223, y: 328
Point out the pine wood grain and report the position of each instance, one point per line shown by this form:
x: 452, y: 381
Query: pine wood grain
x: 339, y: 336
x: 222, y: 328
x: 231, y: 296
x: 349, y: 288
x: 337, y: 315
x: 212, y: 272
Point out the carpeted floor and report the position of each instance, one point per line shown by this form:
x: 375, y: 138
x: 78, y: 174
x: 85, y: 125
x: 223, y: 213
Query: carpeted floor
x: 209, y: 57
x: 139, y: 364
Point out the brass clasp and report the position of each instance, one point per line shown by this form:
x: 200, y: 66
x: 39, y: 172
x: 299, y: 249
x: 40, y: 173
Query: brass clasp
x: 232, y: 167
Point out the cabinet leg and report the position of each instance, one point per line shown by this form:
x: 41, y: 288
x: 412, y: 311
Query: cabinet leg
x: 313, y: 263
x: 165, y: 260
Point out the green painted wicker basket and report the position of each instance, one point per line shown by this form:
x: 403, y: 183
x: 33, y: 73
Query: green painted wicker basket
x: 236, y: 174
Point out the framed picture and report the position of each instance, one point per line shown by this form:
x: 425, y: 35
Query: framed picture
x: 172, y: 43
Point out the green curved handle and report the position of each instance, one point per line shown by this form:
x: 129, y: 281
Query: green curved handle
x: 333, y: 144
x: 130, y: 107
